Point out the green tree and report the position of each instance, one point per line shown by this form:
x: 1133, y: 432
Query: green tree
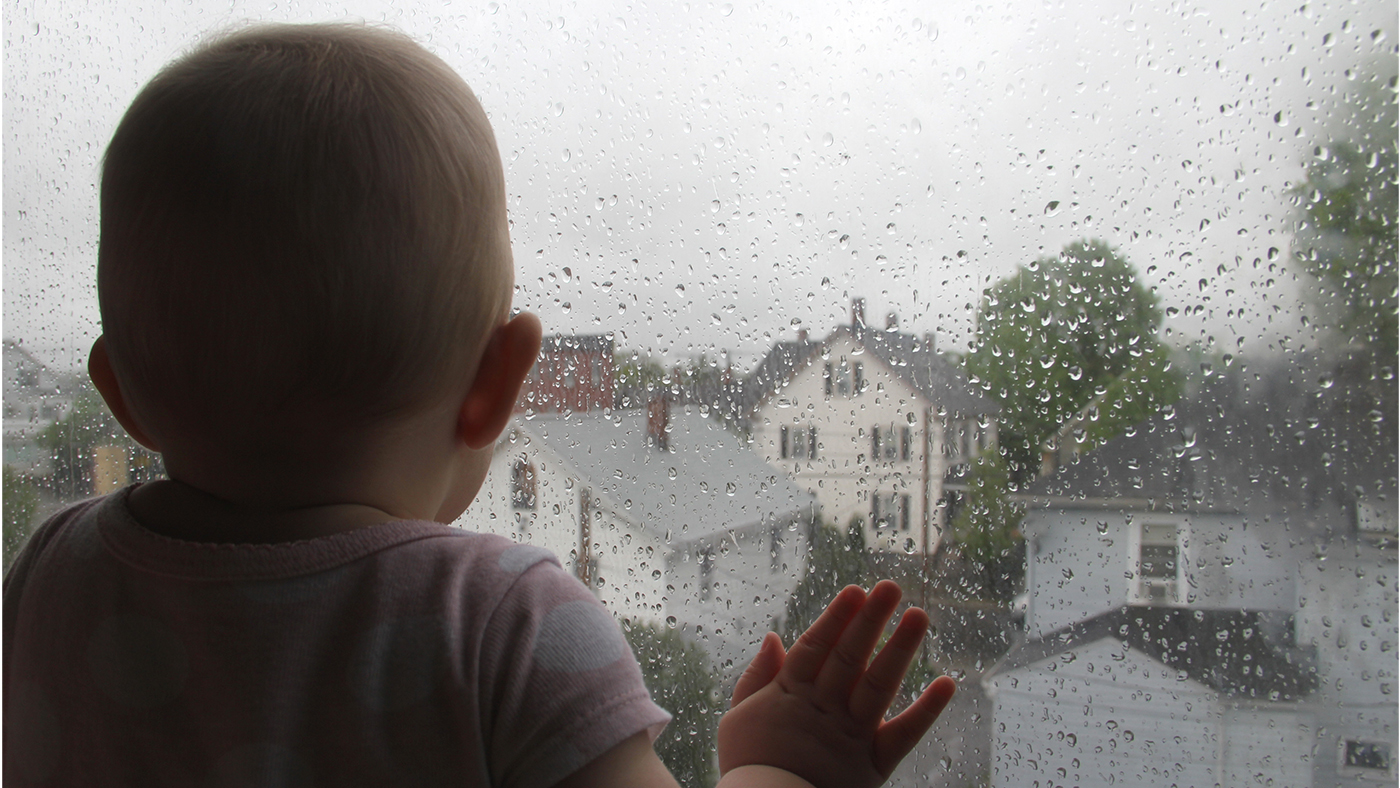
x: 678, y: 676
x: 984, y: 529
x: 835, y: 561
x: 635, y: 378
x: 20, y: 503
x: 1347, y: 216
x: 1070, y: 343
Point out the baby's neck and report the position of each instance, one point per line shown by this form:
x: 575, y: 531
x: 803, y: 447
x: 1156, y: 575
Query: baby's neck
x: 180, y: 511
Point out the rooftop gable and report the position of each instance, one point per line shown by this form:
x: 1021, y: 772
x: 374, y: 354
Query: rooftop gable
x: 1276, y: 441
x: 940, y: 382
x: 1239, y: 653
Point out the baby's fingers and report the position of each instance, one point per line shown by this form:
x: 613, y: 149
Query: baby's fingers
x: 806, y: 657
x: 880, y: 683
x: 897, y: 737
x: 849, y: 658
x: 764, y: 667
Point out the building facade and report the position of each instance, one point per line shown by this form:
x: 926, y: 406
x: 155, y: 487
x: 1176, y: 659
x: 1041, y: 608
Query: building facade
x: 874, y: 423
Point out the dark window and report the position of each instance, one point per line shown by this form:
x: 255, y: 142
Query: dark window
x: 523, y: 485
x: 1368, y: 755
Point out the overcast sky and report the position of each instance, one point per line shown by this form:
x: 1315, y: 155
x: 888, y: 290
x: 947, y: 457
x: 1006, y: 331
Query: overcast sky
x: 711, y: 176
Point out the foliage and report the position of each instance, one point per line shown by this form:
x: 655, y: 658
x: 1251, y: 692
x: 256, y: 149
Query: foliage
x: 1347, y: 214
x: 984, y: 529
x: 20, y: 504
x: 677, y: 674
x: 835, y: 561
x: 1070, y: 342
x: 635, y: 378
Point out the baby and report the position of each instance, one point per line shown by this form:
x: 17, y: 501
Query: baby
x: 305, y: 279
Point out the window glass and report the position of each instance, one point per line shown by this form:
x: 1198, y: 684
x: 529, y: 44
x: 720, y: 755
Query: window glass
x: 1137, y: 261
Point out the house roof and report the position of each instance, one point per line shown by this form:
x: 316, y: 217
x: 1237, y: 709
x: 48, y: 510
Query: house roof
x: 708, y: 483
x: 1284, y: 440
x: 907, y: 356
x: 1240, y: 653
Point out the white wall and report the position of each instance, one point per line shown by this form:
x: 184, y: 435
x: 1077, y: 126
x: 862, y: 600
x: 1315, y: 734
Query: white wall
x: 630, y: 561
x: 746, y: 594
x: 1347, y: 610
x: 638, y: 574
x: 1080, y: 563
x: 1105, y: 715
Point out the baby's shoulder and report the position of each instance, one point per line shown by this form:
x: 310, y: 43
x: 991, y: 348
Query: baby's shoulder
x: 486, y: 568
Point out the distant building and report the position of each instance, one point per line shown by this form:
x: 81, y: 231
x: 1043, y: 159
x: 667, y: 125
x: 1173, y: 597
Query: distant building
x: 875, y: 423
x: 1211, y: 600
x: 574, y: 373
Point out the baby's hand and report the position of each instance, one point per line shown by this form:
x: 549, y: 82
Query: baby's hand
x: 818, y: 711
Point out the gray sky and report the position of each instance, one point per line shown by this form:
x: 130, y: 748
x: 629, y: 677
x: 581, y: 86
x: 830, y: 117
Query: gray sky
x: 708, y: 176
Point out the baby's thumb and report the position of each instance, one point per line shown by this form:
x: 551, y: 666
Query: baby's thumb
x: 764, y: 667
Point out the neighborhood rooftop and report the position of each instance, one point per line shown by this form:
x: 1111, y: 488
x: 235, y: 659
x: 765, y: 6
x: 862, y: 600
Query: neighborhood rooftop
x: 1241, y: 653
x: 708, y: 483
x: 1279, y: 442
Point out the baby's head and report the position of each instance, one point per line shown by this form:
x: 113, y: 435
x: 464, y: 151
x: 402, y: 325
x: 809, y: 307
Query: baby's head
x: 303, y: 236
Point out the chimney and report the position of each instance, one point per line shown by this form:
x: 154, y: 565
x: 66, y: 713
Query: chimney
x: 892, y: 321
x: 857, y: 314
x: 658, y: 420
x: 930, y: 342
x: 802, y: 335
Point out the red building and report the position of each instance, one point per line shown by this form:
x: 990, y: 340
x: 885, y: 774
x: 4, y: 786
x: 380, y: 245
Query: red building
x: 573, y: 373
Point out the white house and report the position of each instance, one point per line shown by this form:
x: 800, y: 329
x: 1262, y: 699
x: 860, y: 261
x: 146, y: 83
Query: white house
x: 1212, y: 601
x: 666, y: 514
x: 873, y: 423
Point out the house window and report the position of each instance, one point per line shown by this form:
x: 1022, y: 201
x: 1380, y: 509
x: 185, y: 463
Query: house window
x: 523, y: 484
x: 888, y: 443
x: 1366, y: 757
x: 797, y: 442
x: 838, y: 378
x: 1159, y: 563
x: 889, y: 510
x: 706, y: 559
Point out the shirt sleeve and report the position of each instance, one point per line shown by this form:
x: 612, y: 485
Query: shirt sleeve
x: 559, y: 683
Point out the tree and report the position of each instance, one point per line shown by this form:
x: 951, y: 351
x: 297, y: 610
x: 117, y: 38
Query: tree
x: 984, y: 529
x: 678, y: 676
x: 836, y: 560
x: 20, y: 503
x: 635, y: 379
x: 1070, y: 342
x: 1347, y: 215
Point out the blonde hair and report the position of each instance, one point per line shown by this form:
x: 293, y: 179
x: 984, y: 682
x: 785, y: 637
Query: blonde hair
x: 301, y: 226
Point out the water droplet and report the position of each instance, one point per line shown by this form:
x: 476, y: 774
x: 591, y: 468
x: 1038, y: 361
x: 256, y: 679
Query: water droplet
x: 828, y: 140
x: 1052, y: 207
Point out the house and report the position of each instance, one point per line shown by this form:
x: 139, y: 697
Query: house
x: 874, y: 423
x: 670, y: 517
x: 1212, y: 599
x: 573, y: 373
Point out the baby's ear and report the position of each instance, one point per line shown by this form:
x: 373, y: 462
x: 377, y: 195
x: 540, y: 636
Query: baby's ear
x: 105, y: 379
x: 507, y: 360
